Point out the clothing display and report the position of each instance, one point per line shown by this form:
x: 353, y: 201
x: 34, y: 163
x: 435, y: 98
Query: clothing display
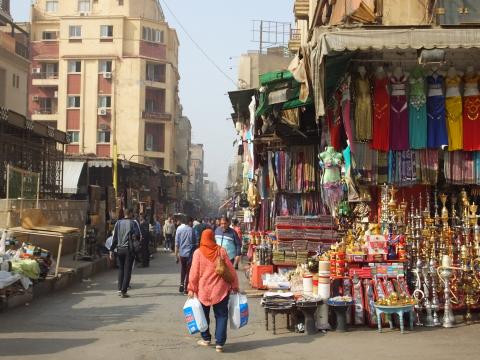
x: 381, y: 115
x: 437, y: 130
x: 460, y: 167
x: 335, y: 124
x: 417, y: 112
x: 471, y: 113
x: 363, y: 109
x: 399, y: 138
x: 346, y: 111
x: 453, y: 107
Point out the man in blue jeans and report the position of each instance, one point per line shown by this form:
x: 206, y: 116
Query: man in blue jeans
x: 184, y: 247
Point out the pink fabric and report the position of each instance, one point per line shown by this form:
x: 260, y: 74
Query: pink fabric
x: 206, y: 284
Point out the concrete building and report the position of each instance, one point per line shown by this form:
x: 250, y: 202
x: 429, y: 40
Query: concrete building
x: 107, y: 73
x: 254, y: 63
x: 196, y: 171
x: 183, y: 142
x: 14, y: 62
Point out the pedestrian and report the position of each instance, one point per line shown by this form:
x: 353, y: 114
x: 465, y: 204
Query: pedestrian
x: 227, y: 238
x: 211, y: 289
x: 168, y: 233
x: 197, y: 234
x: 124, y: 234
x: 145, y: 242
x: 238, y: 230
x: 183, y: 251
x: 157, y: 232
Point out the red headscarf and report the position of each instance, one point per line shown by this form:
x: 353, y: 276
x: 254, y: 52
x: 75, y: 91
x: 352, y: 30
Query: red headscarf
x: 208, y: 246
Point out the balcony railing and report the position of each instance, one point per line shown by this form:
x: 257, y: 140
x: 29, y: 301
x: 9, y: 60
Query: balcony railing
x: 46, y: 111
x: 155, y: 115
x: 45, y: 75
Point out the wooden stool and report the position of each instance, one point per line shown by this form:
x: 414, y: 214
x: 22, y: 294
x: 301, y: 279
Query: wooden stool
x: 289, y: 311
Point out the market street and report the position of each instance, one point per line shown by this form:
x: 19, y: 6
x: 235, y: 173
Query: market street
x: 91, y: 322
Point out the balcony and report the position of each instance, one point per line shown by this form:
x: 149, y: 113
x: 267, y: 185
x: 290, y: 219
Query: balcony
x: 295, y: 40
x: 45, y: 115
x: 45, y: 79
x: 301, y: 9
x: 154, y: 115
x: 10, y: 44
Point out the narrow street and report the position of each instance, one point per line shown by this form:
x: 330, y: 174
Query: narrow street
x: 91, y: 322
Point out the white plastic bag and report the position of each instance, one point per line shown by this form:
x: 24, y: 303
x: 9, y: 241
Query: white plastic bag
x: 238, y: 311
x: 194, y: 316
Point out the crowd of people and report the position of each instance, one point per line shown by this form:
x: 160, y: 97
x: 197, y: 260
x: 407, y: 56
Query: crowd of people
x: 200, y: 248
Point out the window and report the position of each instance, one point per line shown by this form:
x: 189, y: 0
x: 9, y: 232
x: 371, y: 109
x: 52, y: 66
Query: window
x: 83, y: 5
x: 74, y: 136
x: 73, y: 101
x: 104, y: 101
x: 49, y: 35
x: 13, y: 80
x: 154, y: 137
x: 75, y: 31
x: 18, y: 81
x: 156, y: 72
x: 51, y: 6
x: 150, y: 106
x: 152, y: 35
x: 105, y: 66
x: 74, y: 66
x: 50, y: 70
x: 120, y: 2
x: 106, y: 31
x: 103, y: 136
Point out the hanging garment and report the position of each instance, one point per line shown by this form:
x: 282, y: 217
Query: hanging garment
x: 471, y: 123
x: 417, y: 112
x: 436, y: 127
x: 346, y: 112
x: 399, y: 138
x: 335, y: 125
x: 363, y: 110
x: 381, y: 115
x: 453, y: 107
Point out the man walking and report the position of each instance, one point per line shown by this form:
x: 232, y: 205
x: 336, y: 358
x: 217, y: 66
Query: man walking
x: 183, y: 251
x: 168, y: 233
x: 124, y: 233
x: 144, y: 248
x: 227, y: 238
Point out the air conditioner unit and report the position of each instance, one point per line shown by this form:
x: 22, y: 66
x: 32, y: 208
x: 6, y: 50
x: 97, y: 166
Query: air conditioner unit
x: 55, y: 94
x: 107, y: 75
x: 36, y: 70
x: 102, y: 111
x: 35, y: 98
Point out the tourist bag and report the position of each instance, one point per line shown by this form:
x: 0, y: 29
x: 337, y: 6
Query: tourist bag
x: 221, y: 268
x: 194, y: 316
x: 238, y: 311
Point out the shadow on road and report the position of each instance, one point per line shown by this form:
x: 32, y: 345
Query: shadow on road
x: 26, y: 346
x: 238, y: 347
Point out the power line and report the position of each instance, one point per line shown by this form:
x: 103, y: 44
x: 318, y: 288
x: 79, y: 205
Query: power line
x: 198, y: 46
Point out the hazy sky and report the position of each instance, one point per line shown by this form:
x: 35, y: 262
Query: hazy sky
x: 223, y: 29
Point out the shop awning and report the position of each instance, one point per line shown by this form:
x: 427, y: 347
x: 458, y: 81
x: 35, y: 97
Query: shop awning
x: 327, y: 43
x: 71, y: 175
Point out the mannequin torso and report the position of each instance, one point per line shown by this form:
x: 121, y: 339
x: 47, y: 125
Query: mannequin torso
x: 332, y: 161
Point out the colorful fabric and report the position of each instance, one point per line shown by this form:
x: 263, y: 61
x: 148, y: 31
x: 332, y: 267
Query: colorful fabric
x: 381, y: 115
x: 471, y: 123
x: 399, y: 138
x: 453, y: 107
x: 363, y: 110
x: 436, y: 126
x: 417, y: 113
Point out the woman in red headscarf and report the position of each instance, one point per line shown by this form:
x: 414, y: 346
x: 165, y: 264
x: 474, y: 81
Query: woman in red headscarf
x: 210, y: 288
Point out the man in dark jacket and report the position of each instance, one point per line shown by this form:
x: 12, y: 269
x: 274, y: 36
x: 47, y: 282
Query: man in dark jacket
x: 123, y: 234
x: 144, y: 248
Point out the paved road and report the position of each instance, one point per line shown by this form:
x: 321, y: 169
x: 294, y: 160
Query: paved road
x: 90, y: 321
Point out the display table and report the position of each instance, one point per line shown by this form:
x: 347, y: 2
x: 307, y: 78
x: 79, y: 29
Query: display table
x: 308, y: 309
x: 274, y: 311
x: 399, y: 310
x: 59, y: 235
x: 340, y: 308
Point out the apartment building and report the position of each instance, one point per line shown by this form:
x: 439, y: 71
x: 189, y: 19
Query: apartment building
x: 14, y: 62
x: 196, y: 172
x: 106, y: 72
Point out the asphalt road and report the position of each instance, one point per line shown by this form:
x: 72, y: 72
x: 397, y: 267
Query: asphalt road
x: 90, y: 321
